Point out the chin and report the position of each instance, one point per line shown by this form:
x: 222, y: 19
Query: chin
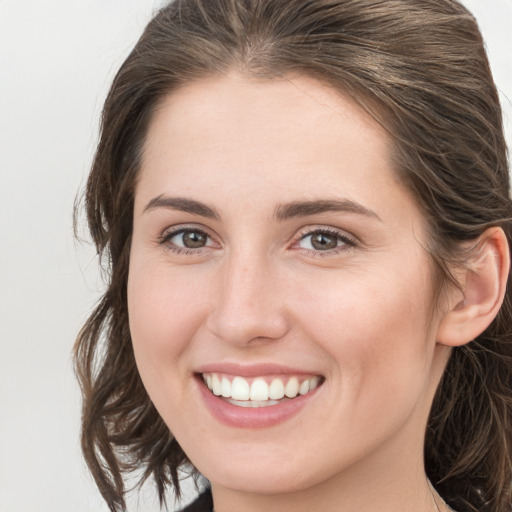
x: 262, y: 478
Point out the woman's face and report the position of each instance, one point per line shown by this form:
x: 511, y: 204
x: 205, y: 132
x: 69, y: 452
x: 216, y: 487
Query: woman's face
x: 274, y: 252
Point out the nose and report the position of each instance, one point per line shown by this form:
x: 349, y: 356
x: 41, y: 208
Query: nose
x: 249, y: 305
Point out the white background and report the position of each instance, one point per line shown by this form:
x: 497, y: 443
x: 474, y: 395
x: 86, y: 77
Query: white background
x: 57, y: 58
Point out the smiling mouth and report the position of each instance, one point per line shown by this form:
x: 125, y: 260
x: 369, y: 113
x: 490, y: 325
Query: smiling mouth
x: 259, y: 391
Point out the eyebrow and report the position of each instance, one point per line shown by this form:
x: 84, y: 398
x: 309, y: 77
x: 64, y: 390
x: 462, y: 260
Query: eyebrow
x: 282, y: 212
x: 306, y: 208
x: 183, y: 204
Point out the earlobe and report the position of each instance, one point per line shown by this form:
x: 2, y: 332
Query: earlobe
x: 483, y: 285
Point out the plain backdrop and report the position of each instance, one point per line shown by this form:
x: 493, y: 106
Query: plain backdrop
x: 57, y: 58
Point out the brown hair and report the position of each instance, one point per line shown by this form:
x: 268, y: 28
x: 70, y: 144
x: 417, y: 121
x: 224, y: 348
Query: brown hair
x: 419, y: 68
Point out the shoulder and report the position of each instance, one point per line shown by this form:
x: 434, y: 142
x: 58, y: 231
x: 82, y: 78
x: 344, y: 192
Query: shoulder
x: 204, y: 503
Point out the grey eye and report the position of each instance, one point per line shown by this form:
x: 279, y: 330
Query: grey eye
x: 321, y: 241
x: 189, y: 239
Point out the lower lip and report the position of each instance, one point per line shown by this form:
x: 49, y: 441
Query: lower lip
x: 253, y: 417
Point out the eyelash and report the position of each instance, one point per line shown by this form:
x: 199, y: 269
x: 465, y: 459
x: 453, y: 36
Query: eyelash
x: 165, y: 239
x: 347, y: 241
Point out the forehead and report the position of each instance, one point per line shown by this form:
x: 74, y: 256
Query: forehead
x: 222, y: 109
x: 234, y: 140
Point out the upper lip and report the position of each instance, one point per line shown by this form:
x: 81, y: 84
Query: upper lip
x: 253, y: 370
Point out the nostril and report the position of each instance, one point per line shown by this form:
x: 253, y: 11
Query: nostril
x: 247, y: 328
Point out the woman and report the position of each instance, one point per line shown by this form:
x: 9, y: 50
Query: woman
x: 305, y: 206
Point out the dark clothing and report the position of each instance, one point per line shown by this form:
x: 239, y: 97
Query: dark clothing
x: 203, y: 504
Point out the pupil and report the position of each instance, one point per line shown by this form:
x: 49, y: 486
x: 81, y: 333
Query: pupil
x: 193, y: 239
x: 322, y: 241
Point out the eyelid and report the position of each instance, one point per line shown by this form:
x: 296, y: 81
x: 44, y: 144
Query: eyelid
x: 350, y: 240
x: 171, y: 231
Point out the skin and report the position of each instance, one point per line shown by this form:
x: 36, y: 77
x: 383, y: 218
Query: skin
x: 360, y: 314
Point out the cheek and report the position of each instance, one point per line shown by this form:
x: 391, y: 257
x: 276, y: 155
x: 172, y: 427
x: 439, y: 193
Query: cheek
x: 162, y: 320
x: 374, y: 328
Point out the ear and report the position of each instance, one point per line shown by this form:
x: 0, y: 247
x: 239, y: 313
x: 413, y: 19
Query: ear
x: 483, y: 283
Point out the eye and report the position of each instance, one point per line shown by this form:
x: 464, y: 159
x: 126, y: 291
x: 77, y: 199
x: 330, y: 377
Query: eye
x: 324, y: 240
x: 186, y: 238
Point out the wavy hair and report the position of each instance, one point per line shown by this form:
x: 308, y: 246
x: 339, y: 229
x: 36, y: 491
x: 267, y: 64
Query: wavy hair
x: 420, y: 69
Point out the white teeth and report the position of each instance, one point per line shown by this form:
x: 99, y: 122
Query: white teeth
x: 216, y: 385
x: 259, y: 390
x: 258, y: 393
x: 226, y: 387
x: 276, y: 390
x: 239, y: 389
x: 304, y: 387
x: 253, y: 403
x: 292, y: 387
